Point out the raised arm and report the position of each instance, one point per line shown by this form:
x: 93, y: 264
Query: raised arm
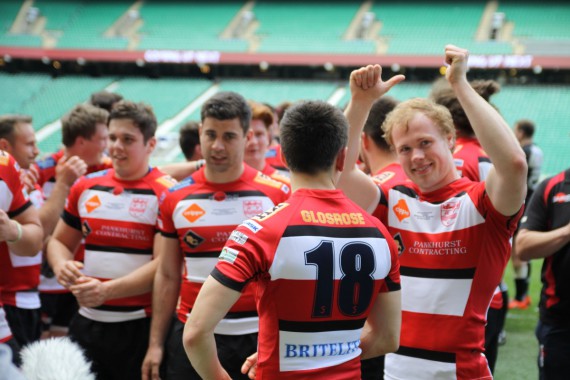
x: 366, y: 86
x: 68, y: 170
x: 506, y: 182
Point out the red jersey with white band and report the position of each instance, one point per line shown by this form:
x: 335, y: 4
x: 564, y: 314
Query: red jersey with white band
x: 118, y: 222
x: 471, y: 161
x: 201, y: 215
x: 320, y: 262
x: 21, y: 274
x: 47, y: 181
x: 454, y: 246
x: 389, y: 176
x: 13, y: 201
x: 47, y: 170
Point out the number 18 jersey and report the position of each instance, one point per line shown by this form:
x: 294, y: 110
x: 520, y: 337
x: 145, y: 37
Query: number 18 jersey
x: 320, y: 261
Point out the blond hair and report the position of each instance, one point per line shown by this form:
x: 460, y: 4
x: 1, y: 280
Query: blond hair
x: 406, y: 111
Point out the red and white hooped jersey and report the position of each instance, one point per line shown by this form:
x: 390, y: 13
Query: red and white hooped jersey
x: 471, y: 161
x: 454, y: 247
x: 21, y: 274
x: 118, y: 221
x: 13, y: 201
x: 319, y: 261
x: 388, y: 177
x: 202, y: 215
x: 47, y: 170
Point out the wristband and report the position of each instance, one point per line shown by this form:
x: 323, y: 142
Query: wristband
x: 19, y: 227
x: 199, y: 164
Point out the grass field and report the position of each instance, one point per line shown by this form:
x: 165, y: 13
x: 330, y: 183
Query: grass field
x: 517, y: 358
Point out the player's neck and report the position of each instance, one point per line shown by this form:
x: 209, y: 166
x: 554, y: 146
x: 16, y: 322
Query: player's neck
x: 321, y: 181
x: 380, y: 161
x: 227, y: 176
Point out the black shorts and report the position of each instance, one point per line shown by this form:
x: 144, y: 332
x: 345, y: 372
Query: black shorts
x: 554, y: 351
x: 232, y: 352
x: 372, y: 369
x: 116, y: 349
x: 58, y: 309
x: 26, y: 324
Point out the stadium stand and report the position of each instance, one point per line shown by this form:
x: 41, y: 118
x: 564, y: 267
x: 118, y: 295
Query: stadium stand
x: 414, y: 27
x: 193, y: 25
x: 307, y: 27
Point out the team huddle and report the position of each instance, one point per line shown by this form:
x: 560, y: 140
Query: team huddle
x: 225, y: 268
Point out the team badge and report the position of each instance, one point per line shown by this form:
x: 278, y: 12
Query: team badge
x: 192, y: 239
x: 138, y: 207
x: 252, y: 208
x: 449, y: 213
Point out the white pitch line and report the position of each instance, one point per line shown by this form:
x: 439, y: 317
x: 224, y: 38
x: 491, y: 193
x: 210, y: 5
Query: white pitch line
x: 170, y: 124
x: 337, y: 96
x: 51, y: 128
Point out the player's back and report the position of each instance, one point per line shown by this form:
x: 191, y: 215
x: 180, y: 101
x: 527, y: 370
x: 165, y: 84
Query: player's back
x: 321, y: 261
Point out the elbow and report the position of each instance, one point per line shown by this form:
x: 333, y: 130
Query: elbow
x: 192, y: 336
x: 393, y: 343
x: 519, y: 166
x: 520, y: 248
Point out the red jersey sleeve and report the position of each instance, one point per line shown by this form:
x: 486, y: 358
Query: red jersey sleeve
x: 244, y: 256
x: 164, y: 220
x: 10, y: 174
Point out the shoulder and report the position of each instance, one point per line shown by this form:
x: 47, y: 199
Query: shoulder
x: 269, y: 185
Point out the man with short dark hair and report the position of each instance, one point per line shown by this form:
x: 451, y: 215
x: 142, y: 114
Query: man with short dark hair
x: 189, y: 141
x: 197, y: 217
x: 115, y: 211
x: 327, y: 272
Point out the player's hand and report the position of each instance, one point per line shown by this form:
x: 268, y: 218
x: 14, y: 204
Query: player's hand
x: 366, y: 83
x: 457, y: 59
x: 68, y: 169
x: 29, y: 178
x: 151, y: 363
x: 68, y: 272
x: 8, y: 228
x: 249, y: 367
x: 89, y: 291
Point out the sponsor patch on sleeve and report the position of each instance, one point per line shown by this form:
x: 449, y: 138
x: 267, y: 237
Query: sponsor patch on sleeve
x: 252, y: 226
x: 228, y: 254
x: 166, y: 181
x: 238, y: 237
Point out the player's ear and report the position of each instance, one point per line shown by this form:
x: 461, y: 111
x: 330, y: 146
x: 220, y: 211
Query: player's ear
x: 283, y: 157
x: 340, y: 159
